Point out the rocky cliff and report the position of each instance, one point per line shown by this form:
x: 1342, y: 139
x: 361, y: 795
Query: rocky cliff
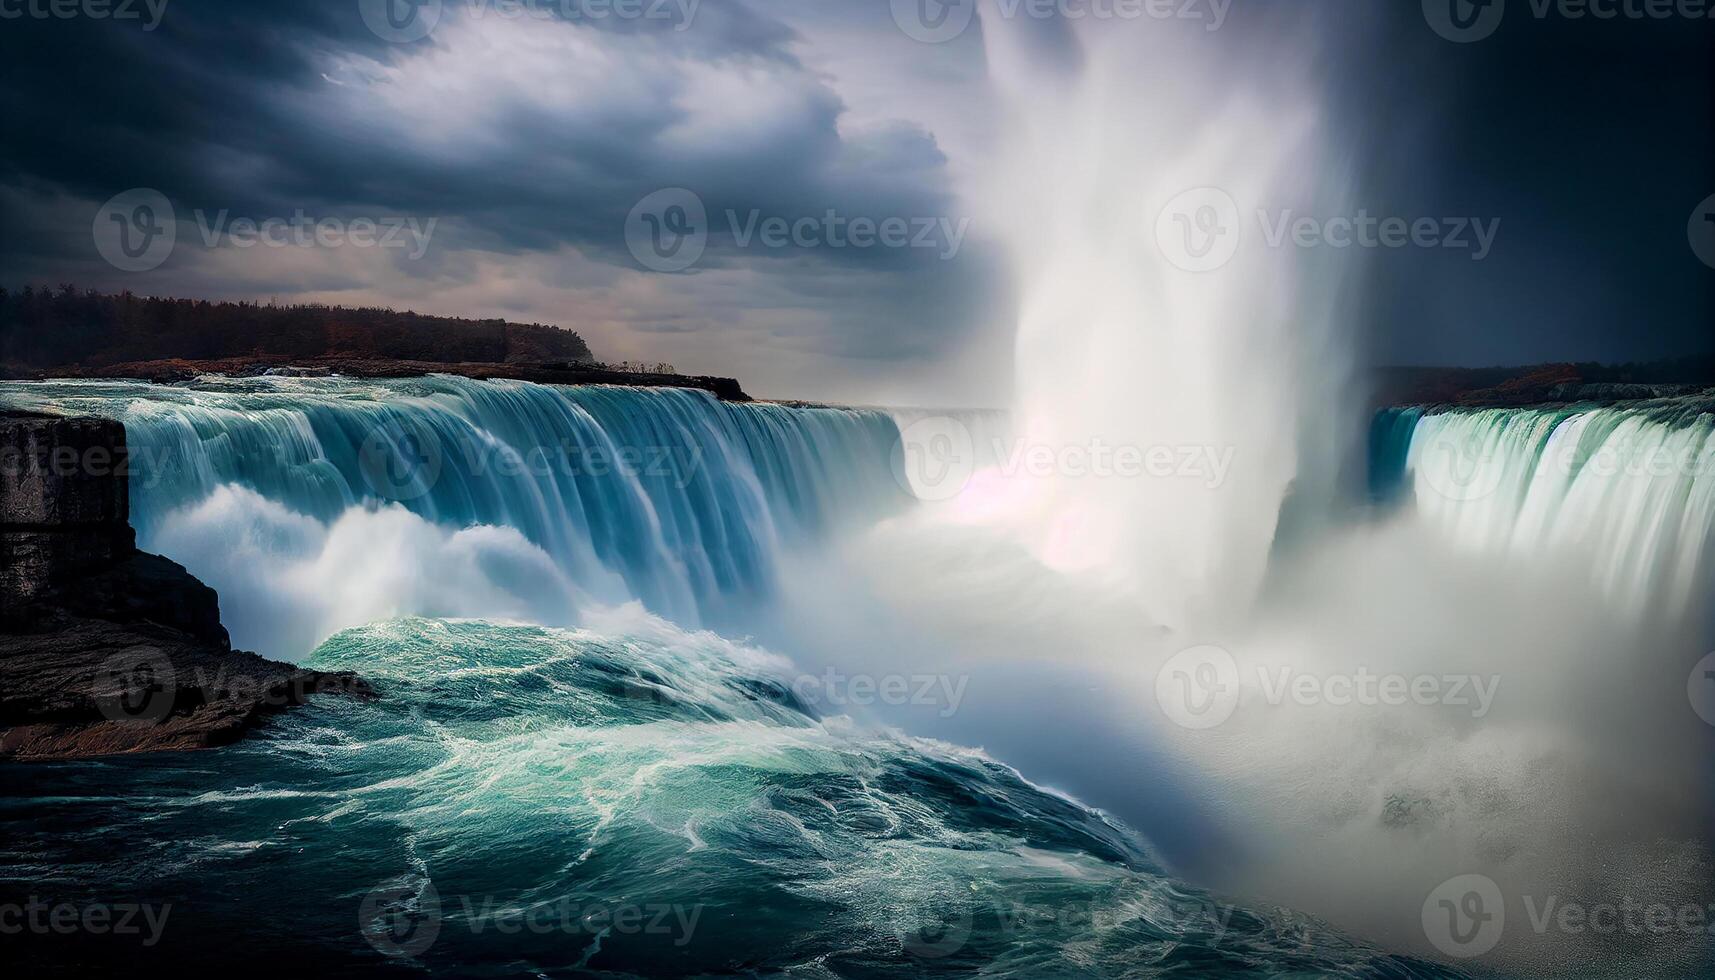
x: 105, y: 649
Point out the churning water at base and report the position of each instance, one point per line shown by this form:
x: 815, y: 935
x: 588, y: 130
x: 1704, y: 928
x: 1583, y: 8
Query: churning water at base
x: 638, y: 801
x: 523, y: 798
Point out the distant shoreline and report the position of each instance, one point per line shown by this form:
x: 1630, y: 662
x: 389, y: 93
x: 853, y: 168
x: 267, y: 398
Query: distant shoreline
x: 1541, y: 384
x: 176, y: 370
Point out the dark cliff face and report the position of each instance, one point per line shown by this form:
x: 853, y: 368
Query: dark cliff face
x: 63, y: 504
x: 104, y: 649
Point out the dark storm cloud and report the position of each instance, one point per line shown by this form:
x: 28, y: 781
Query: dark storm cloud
x: 228, y: 105
x: 516, y: 135
x: 530, y: 141
x: 1590, y: 140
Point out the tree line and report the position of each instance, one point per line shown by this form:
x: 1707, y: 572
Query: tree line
x: 71, y: 327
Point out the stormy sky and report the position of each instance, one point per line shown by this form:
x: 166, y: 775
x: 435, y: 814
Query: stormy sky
x: 509, y: 150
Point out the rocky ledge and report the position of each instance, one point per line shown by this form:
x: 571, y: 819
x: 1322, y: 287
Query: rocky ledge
x: 104, y: 649
x: 547, y: 373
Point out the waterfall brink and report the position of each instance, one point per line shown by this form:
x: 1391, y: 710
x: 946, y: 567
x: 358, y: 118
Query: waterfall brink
x: 1628, y: 490
x: 317, y: 504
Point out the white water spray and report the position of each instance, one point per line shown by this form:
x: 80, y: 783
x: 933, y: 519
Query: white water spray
x: 1126, y: 156
x: 1132, y: 161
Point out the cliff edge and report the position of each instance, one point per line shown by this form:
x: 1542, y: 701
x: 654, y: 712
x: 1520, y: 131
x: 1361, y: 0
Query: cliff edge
x: 104, y: 649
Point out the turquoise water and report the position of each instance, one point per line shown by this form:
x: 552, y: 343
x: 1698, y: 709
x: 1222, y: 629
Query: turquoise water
x: 638, y: 801
x: 1627, y: 490
x: 611, y: 794
x: 313, y: 505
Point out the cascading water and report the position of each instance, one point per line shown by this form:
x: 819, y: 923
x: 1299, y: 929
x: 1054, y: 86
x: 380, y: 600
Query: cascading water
x: 516, y: 790
x: 1132, y: 186
x: 313, y: 505
x: 633, y: 758
x: 1629, y: 490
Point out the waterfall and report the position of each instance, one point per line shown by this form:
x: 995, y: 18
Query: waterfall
x: 1629, y: 490
x: 317, y: 504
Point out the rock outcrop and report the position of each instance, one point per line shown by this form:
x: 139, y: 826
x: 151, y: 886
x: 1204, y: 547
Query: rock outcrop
x: 105, y: 649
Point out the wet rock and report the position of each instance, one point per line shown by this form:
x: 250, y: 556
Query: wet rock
x: 104, y: 649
